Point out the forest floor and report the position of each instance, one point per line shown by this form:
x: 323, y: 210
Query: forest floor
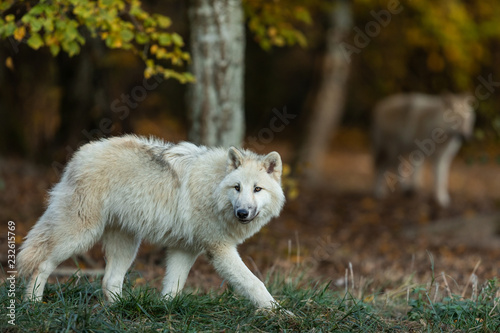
x: 329, y: 232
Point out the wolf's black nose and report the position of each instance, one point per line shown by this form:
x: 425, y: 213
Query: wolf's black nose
x: 242, y: 213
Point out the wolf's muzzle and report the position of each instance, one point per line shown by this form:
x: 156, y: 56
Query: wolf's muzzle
x: 244, y: 215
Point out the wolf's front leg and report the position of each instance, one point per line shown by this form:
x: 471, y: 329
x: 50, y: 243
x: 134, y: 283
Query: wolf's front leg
x: 179, y: 263
x: 229, y: 265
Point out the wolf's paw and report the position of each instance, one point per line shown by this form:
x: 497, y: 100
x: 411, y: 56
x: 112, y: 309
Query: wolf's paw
x: 276, y: 310
x: 287, y: 313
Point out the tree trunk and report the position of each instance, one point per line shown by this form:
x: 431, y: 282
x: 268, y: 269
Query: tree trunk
x: 330, y: 99
x: 215, y: 101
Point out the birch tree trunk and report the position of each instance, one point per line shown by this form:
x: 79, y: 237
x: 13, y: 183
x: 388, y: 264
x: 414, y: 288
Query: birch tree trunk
x: 330, y: 99
x: 215, y: 101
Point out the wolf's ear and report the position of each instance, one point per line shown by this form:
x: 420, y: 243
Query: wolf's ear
x: 273, y: 166
x: 234, y: 159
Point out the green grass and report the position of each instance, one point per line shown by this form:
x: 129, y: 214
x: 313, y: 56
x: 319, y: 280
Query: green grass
x: 78, y: 306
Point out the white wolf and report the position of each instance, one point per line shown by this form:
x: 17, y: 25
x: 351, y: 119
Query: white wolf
x: 190, y: 199
x: 410, y: 128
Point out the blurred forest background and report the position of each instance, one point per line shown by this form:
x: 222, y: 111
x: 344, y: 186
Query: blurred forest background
x: 48, y: 103
x: 322, y: 63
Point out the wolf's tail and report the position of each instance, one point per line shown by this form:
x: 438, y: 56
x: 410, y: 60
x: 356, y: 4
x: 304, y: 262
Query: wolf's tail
x: 34, y: 250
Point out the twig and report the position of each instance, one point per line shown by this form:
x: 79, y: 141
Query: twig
x: 352, y: 276
x: 436, y: 292
x: 71, y: 271
x: 474, y: 287
x: 495, y: 302
x: 361, y: 287
x: 289, y: 250
x: 256, y: 269
x: 470, y: 278
x: 346, y: 281
x: 298, y: 246
x: 88, y: 260
x: 446, y: 285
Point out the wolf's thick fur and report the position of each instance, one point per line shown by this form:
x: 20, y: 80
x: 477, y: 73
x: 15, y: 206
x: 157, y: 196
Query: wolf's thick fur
x: 411, y: 128
x: 190, y: 199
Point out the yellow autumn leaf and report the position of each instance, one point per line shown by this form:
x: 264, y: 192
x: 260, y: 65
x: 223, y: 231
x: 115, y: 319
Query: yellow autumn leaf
x: 9, y: 63
x: 116, y: 42
x: 368, y: 299
x: 278, y: 41
x: 148, y: 72
x: 153, y: 49
x: 161, y: 53
x: 293, y: 193
x: 272, y: 31
x: 286, y: 169
x: 19, y: 33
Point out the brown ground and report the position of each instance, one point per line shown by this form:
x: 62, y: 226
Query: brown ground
x: 389, y: 243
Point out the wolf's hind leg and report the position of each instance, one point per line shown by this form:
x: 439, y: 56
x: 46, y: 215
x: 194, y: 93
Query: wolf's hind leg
x: 36, y: 284
x: 120, y: 249
x: 46, y: 247
x: 179, y: 263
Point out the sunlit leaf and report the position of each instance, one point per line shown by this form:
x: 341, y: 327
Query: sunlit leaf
x: 141, y: 38
x: 163, y: 21
x: 127, y: 35
x: 54, y: 49
x: 177, y: 39
x: 9, y: 63
x: 164, y: 39
x: 35, y: 41
x: 19, y: 33
x: 71, y: 47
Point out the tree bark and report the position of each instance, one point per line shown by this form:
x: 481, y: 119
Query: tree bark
x: 215, y: 101
x: 330, y: 99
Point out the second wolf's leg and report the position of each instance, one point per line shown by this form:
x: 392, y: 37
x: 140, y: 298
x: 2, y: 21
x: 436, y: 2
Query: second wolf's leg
x: 381, y: 167
x: 384, y: 161
x: 179, y: 263
x: 229, y: 265
x: 380, y: 189
x: 442, y: 165
x: 412, y: 183
x: 120, y: 250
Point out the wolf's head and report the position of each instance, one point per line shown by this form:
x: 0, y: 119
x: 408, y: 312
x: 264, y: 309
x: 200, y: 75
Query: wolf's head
x: 253, y: 185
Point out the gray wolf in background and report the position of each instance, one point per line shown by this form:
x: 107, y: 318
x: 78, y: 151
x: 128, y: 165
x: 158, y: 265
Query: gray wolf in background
x: 190, y: 199
x: 410, y: 128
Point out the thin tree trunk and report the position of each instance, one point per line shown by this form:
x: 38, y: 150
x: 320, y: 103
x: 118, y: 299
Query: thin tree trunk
x: 215, y: 101
x: 330, y: 99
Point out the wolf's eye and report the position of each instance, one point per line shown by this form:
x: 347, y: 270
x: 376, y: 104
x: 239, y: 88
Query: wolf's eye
x: 257, y: 189
x: 237, y: 188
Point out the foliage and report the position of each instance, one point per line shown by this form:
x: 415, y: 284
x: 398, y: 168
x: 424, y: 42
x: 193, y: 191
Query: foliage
x: 455, y: 36
x: 275, y: 23
x: 62, y: 25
